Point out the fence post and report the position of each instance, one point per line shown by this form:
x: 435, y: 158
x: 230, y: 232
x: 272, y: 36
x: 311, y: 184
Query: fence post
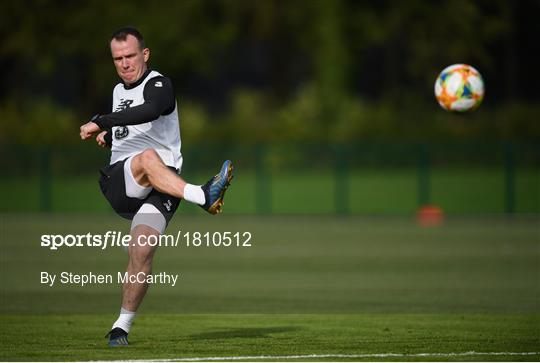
x: 424, y: 197
x: 509, y: 177
x: 341, y: 175
x: 45, y: 176
x: 263, y: 182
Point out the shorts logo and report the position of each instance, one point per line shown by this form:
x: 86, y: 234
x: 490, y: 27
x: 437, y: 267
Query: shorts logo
x: 121, y: 132
x: 168, y: 205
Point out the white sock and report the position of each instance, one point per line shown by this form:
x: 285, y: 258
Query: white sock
x: 194, y: 194
x: 125, y: 320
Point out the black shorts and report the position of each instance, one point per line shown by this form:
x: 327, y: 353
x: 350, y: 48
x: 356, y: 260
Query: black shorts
x: 113, y: 187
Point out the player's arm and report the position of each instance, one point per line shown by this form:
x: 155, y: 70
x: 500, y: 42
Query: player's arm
x: 159, y: 100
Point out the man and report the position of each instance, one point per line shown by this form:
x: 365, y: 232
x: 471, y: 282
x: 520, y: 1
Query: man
x: 142, y: 182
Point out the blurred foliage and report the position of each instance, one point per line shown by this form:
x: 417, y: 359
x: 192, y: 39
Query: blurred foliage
x: 318, y: 71
x: 40, y: 122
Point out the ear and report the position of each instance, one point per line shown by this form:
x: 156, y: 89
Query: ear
x: 146, y: 54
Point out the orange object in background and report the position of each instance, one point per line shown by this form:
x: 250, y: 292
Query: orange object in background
x: 430, y: 216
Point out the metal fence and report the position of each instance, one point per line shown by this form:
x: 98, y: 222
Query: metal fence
x: 363, y: 177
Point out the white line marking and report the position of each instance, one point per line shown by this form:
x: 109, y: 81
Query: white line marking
x: 318, y: 356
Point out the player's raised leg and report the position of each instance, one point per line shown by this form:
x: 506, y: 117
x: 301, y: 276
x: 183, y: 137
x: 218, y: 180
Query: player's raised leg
x: 148, y: 170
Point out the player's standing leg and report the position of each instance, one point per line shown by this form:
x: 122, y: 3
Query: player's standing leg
x: 140, y: 260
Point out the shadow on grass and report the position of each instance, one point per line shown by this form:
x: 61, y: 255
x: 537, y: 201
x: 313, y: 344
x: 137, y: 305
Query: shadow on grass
x: 244, y: 333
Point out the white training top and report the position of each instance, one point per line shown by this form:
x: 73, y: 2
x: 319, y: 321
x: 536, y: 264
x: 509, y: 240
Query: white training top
x: 161, y: 134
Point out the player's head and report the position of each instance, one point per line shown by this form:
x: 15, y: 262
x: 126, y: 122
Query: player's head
x: 129, y: 54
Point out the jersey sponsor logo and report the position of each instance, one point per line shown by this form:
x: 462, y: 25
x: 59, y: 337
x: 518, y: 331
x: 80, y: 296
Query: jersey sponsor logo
x: 121, y: 132
x: 123, y: 105
x: 158, y: 84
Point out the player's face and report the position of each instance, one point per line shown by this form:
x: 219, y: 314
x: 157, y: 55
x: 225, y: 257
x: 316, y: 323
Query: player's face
x: 129, y: 59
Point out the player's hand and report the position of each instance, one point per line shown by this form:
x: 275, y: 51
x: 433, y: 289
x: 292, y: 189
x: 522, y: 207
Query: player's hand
x: 88, y: 129
x: 100, y: 138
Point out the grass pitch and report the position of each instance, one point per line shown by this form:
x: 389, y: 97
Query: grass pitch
x: 318, y: 287
x: 79, y: 337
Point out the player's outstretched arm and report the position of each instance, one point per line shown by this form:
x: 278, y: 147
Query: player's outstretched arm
x: 159, y: 100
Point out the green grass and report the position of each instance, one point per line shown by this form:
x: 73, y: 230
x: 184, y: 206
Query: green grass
x: 370, y: 191
x: 79, y: 337
x: 310, y: 284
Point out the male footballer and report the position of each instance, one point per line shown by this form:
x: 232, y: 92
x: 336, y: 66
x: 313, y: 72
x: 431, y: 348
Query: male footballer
x: 142, y: 182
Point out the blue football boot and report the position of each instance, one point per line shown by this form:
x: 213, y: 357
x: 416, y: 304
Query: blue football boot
x: 117, y: 338
x: 214, y: 190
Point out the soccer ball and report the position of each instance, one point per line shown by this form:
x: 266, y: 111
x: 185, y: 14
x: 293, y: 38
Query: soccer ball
x: 460, y: 88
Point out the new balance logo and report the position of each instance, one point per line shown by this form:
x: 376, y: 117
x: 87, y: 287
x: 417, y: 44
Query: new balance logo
x: 123, y: 105
x: 168, y: 205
